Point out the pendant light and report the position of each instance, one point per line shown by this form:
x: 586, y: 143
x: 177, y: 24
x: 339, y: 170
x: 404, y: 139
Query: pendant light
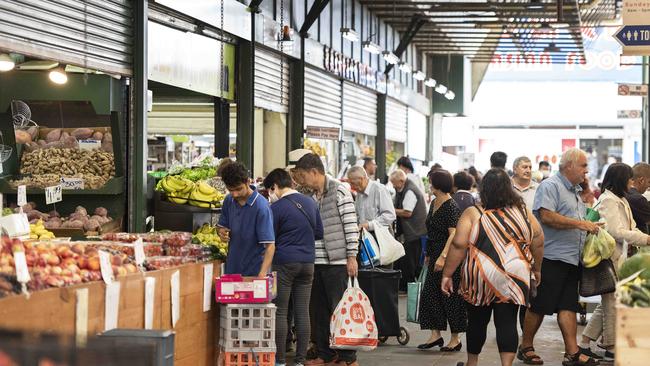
x: 6, y: 62
x: 58, y: 76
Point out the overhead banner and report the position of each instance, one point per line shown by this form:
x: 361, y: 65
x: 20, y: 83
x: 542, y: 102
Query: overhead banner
x: 634, y: 35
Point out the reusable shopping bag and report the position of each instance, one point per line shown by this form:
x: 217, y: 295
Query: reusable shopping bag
x: 353, y: 325
x: 414, y: 289
x: 370, y: 252
x: 390, y: 249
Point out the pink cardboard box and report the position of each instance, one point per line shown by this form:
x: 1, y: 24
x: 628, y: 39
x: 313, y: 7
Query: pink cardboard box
x: 237, y: 289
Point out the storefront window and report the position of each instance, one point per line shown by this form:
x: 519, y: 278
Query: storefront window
x: 357, y: 146
x: 328, y: 150
x: 394, y: 150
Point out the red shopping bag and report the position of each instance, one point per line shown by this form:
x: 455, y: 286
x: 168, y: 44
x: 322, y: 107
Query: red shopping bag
x: 353, y: 323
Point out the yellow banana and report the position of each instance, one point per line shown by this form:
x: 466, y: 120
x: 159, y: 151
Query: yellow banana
x: 206, y: 189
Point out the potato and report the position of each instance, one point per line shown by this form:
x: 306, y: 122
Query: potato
x: 98, y: 135
x: 54, y: 223
x: 70, y: 142
x: 107, y: 146
x: 82, y: 133
x: 73, y: 224
x: 108, y: 137
x: 91, y: 225
x: 81, y: 210
x: 22, y: 137
x: 31, y: 146
x: 33, y: 132
x: 42, y: 143
x: 54, y: 135
x: 54, y: 214
x: 101, y: 211
x: 64, y: 135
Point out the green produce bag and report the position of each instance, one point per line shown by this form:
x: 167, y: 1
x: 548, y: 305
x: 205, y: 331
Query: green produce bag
x: 592, y: 215
x: 414, y: 290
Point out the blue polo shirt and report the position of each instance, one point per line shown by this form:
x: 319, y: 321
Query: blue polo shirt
x: 557, y: 194
x: 251, y: 226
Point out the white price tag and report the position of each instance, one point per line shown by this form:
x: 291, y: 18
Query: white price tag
x: 176, y: 297
x: 149, y: 292
x: 72, y: 183
x: 138, y: 249
x: 1, y: 169
x: 207, y: 286
x: 111, y: 305
x: 22, y: 273
x: 106, y: 267
x: 53, y: 194
x: 89, y: 144
x: 22, y: 195
x: 81, y: 316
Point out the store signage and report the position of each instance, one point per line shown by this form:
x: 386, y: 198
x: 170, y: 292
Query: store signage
x: 634, y: 35
x: 72, y: 183
x: 325, y: 133
x: 53, y: 194
x: 633, y: 90
x: 350, y: 69
x: 90, y: 144
x: 628, y: 113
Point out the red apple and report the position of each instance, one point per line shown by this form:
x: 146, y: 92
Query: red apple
x: 93, y: 264
x: 116, y: 260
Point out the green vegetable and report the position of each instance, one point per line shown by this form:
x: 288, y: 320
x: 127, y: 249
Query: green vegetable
x: 197, y: 174
x: 635, y: 263
x: 641, y: 303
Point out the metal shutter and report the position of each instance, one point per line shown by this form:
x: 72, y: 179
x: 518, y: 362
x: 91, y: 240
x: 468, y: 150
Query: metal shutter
x: 359, y: 110
x: 396, y: 117
x: 417, y: 134
x: 268, y: 93
x: 96, y: 34
x: 322, y: 99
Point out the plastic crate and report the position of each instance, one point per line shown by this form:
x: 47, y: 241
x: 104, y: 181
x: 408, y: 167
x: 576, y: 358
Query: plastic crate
x: 243, y: 327
x: 161, y: 340
x: 246, y: 358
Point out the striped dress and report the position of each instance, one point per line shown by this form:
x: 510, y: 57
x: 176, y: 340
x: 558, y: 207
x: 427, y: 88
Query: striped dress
x: 498, y: 264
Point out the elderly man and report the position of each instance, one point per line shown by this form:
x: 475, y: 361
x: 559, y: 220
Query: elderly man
x: 411, y: 211
x: 370, y: 166
x: 639, y: 204
x: 373, y: 204
x: 561, y: 213
x: 522, y: 180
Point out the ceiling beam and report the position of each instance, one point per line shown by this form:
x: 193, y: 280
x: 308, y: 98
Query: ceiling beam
x: 407, y: 36
x: 312, y: 16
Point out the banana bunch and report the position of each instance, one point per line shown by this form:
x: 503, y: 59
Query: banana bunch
x: 635, y: 293
x: 204, y: 195
x: 178, y: 189
x: 38, y: 231
x: 207, y: 235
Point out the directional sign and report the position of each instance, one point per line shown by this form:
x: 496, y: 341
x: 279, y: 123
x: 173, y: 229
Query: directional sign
x: 634, y: 35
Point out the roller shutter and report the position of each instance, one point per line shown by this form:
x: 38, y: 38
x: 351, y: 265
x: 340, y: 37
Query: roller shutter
x: 359, y: 109
x: 185, y: 119
x: 271, y: 81
x: 417, y: 135
x: 322, y: 99
x: 396, y: 119
x: 97, y: 34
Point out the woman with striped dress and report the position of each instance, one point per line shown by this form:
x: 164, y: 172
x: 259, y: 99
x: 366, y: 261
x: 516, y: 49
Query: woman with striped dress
x: 501, y: 245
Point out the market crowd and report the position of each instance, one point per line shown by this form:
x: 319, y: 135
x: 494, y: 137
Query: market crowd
x: 504, y: 244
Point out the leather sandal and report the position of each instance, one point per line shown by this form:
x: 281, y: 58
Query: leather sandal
x: 574, y: 360
x: 533, y: 359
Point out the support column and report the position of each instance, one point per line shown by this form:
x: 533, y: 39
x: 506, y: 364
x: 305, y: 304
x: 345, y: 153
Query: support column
x: 645, y: 123
x: 137, y: 157
x: 221, y: 128
x: 295, y: 123
x: 380, y: 143
x: 245, y: 99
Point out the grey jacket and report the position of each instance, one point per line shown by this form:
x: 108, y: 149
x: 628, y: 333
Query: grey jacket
x: 415, y: 226
x: 341, y: 234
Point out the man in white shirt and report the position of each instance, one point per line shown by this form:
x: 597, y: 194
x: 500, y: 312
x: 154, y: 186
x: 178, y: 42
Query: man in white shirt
x: 373, y: 204
x: 405, y: 165
x: 522, y: 180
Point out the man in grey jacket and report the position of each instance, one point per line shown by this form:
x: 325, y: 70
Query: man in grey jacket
x: 336, y: 254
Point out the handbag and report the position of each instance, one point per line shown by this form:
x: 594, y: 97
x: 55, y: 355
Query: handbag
x: 353, y: 325
x: 598, y: 280
x: 414, y: 290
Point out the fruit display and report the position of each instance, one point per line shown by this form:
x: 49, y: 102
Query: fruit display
x: 207, y: 235
x: 635, y: 292
x: 79, y: 219
x: 156, y: 263
x: 8, y: 285
x: 62, y: 138
x: 150, y: 249
x: 315, y: 147
x: 597, y: 247
x: 181, y: 190
x: 38, y: 231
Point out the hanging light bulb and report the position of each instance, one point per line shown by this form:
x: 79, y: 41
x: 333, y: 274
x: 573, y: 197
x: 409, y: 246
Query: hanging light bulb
x: 371, y: 47
x: 350, y: 34
x: 441, y: 89
x: 419, y: 75
x: 430, y: 82
x: 6, y: 62
x: 450, y: 95
x: 390, y: 57
x: 58, y: 76
x: 405, y: 68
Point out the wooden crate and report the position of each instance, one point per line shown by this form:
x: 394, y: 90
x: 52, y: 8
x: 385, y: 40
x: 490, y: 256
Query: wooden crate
x: 632, y: 336
x: 53, y: 310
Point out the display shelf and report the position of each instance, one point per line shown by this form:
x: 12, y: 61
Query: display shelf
x: 114, y: 186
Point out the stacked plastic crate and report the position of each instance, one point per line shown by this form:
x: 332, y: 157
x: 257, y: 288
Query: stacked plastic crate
x: 247, y: 321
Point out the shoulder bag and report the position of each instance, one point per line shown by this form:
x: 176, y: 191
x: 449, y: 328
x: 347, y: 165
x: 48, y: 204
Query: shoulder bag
x: 598, y: 280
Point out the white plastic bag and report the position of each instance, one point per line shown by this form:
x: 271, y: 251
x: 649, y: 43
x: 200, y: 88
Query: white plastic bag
x: 353, y: 323
x: 390, y: 249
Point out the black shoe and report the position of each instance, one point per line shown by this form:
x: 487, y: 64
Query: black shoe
x: 456, y: 348
x: 440, y: 342
x: 588, y: 352
x: 609, y: 355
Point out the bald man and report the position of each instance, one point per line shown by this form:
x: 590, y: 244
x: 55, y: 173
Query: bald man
x: 374, y: 205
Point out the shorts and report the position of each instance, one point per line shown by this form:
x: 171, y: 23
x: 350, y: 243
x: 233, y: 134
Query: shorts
x: 558, y: 290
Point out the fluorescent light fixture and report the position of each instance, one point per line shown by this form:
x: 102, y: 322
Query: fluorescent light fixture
x: 6, y: 62
x: 441, y: 89
x: 350, y: 34
x: 370, y: 47
x: 404, y: 67
x: 390, y: 57
x: 58, y: 76
x: 450, y: 95
x: 559, y: 25
x: 430, y: 82
x: 419, y: 75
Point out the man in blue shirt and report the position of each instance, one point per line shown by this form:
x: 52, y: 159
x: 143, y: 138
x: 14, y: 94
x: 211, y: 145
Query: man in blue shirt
x: 246, y: 222
x: 561, y: 212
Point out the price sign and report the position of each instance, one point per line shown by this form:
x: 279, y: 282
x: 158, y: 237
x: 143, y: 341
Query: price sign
x: 72, y: 183
x: 139, y: 252
x: 22, y: 273
x: 89, y: 144
x: 105, y: 266
x: 53, y: 194
x: 22, y: 196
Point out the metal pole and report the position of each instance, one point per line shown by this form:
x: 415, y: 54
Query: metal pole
x: 221, y: 128
x: 245, y: 98
x: 645, y: 124
x: 295, y: 122
x: 380, y: 148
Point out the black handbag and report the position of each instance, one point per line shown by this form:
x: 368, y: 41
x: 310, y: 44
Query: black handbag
x: 598, y: 280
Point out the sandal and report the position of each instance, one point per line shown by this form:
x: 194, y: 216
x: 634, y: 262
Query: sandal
x: 574, y: 360
x: 532, y: 359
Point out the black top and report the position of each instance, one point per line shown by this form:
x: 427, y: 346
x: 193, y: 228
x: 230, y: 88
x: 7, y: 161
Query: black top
x: 640, y: 209
x: 464, y: 200
x: 438, y: 225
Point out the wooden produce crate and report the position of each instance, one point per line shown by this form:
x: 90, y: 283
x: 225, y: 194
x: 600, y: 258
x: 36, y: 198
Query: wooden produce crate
x: 53, y: 310
x: 632, y: 336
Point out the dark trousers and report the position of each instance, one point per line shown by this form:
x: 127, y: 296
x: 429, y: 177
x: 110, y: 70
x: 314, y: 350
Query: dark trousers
x: 294, y: 281
x: 505, y: 322
x: 329, y: 284
x: 409, y: 263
